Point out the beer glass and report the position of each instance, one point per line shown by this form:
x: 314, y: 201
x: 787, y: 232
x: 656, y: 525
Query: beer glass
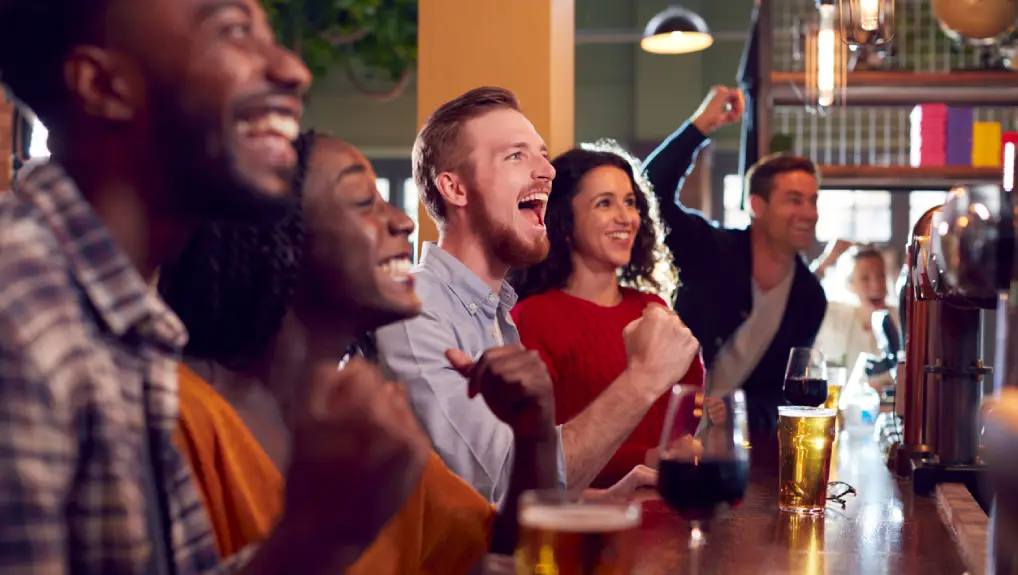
x: 836, y: 379
x: 805, y: 440
x: 703, y: 456
x: 566, y: 533
x: 806, y: 377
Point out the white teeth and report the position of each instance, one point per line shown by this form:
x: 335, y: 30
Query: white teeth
x: 619, y: 235
x: 397, y: 268
x: 535, y: 196
x: 274, y: 124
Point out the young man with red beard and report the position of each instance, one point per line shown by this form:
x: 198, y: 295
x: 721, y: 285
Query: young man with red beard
x: 482, y: 171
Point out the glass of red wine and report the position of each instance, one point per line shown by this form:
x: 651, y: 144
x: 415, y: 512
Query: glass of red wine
x: 806, y: 378
x: 704, y: 456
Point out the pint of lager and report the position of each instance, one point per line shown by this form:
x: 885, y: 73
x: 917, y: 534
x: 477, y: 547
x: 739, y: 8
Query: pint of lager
x: 563, y: 534
x: 805, y: 440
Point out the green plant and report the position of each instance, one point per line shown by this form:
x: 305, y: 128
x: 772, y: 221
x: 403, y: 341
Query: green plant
x: 374, y: 41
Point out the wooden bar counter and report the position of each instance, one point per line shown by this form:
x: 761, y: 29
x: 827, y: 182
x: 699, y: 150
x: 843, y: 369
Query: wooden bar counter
x: 883, y: 530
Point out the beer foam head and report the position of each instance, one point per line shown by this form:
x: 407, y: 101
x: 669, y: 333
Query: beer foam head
x: 580, y: 518
x: 796, y: 411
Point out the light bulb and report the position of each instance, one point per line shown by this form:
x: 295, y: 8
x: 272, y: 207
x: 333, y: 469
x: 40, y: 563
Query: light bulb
x: 869, y: 15
x: 825, y: 57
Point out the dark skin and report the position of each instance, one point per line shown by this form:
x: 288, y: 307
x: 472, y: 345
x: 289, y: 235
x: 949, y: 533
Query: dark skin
x: 151, y: 135
x: 184, y: 111
x: 346, y: 289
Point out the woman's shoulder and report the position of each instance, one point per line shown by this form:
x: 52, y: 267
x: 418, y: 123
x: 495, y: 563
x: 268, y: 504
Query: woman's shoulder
x: 538, y: 305
x: 643, y: 296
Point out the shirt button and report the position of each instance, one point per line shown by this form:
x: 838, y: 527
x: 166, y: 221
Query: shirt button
x: 472, y: 307
x: 491, y: 297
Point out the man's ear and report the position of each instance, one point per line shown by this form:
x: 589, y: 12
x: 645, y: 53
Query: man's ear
x: 103, y: 83
x: 757, y: 205
x: 452, y: 188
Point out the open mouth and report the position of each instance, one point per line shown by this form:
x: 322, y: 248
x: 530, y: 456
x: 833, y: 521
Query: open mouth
x: 397, y: 268
x: 532, y: 206
x: 803, y: 228
x: 269, y: 132
x: 621, y: 236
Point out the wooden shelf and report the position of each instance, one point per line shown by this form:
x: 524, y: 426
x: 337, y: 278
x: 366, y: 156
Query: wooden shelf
x: 906, y: 177
x: 896, y: 88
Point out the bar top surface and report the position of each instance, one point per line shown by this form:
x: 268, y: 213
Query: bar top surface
x: 884, y: 530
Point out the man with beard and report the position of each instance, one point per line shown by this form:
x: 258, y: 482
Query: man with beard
x: 482, y: 171
x: 162, y: 114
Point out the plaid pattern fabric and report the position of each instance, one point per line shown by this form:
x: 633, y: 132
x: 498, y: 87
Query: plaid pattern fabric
x: 81, y: 337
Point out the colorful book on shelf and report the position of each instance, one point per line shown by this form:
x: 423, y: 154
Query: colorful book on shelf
x: 1005, y: 139
x: 928, y: 135
x: 986, y: 144
x: 959, y: 136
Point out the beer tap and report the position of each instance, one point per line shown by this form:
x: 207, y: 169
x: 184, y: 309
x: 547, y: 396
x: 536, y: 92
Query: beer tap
x: 977, y: 243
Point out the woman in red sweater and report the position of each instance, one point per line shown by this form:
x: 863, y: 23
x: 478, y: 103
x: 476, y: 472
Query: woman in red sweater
x: 607, y: 262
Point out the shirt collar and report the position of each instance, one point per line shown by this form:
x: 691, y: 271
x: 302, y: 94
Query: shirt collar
x: 469, y: 288
x: 115, y: 289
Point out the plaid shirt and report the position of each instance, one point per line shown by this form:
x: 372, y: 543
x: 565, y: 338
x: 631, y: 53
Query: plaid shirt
x: 81, y: 336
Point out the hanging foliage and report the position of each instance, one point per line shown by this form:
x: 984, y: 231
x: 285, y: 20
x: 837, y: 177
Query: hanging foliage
x: 373, y: 41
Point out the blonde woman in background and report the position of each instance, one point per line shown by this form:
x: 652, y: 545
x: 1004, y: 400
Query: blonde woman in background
x: 856, y: 287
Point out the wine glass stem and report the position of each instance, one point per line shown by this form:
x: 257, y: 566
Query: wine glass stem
x: 697, y: 540
x: 697, y: 536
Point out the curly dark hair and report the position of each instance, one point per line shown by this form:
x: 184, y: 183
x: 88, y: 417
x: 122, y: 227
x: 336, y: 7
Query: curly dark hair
x: 234, y: 281
x: 651, y: 267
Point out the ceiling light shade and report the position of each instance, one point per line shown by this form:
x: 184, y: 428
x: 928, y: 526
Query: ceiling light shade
x: 676, y: 30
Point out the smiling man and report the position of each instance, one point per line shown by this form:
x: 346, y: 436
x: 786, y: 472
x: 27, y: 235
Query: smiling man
x: 747, y: 294
x: 161, y: 114
x: 483, y: 174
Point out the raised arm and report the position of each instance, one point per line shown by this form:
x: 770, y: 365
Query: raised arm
x: 668, y: 165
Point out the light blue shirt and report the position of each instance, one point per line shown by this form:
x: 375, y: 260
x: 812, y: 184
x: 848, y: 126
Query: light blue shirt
x: 459, y: 310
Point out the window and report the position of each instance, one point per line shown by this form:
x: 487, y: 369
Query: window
x: 383, y: 187
x: 856, y: 215
x: 410, y: 205
x: 735, y: 216
x: 37, y: 143
x: 920, y: 201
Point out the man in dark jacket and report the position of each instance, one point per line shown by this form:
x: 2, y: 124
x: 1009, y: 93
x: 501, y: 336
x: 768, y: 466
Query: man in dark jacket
x: 747, y: 294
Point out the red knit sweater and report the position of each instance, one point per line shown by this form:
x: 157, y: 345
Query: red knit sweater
x: 581, y: 343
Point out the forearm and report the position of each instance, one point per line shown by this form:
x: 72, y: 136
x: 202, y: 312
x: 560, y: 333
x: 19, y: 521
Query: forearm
x: 669, y: 164
x: 535, y: 466
x: 592, y: 437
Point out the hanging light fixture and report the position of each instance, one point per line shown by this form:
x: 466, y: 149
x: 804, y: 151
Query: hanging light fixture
x: 676, y: 30
x: 866, y: 22
x: 825, y: 58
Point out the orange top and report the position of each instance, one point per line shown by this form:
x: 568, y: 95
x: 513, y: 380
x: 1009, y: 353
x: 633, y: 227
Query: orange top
x: 443, y: 529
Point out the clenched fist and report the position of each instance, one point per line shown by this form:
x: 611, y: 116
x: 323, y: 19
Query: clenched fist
x: 722, y: 106
x: 358, y: 452
x: 660, y: 349
x: 516, y: 386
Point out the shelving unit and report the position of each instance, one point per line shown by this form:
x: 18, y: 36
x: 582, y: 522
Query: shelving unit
x: 890, y: 177
x: 893, y: 88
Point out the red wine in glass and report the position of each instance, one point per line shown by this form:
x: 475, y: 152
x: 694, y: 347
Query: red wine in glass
x: 697, y: 489
x: 805, y: 391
